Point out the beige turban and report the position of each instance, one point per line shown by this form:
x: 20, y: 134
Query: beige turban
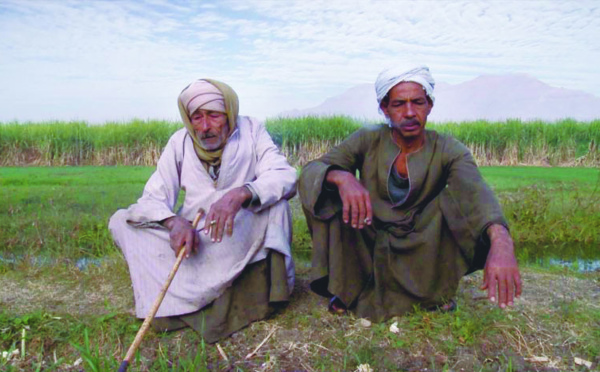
x: 204, y: 95
x: 213, y: 95
x: 395, y: 75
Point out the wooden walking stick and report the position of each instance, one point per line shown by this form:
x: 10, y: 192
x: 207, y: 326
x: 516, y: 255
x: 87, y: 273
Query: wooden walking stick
x: 144, y: 328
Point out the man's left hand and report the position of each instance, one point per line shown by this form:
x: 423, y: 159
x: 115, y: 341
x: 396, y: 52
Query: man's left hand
x: 501, y: 274
x: 222, y: 213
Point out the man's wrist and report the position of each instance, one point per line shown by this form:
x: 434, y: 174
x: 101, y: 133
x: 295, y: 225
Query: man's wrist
x: 169, y: 222
x: 500, y: 237
x: 335, y: 176
x: 247, y: 195
x: 497, y: 231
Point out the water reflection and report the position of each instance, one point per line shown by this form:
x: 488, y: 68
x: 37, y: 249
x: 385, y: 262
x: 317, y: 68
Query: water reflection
x: 577, y: 265
x: 82, y: 263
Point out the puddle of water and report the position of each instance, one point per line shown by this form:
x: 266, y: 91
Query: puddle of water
x: 577, y: 265
x: 41, y: 261
x: 7, y: 260
x: 82, y: 264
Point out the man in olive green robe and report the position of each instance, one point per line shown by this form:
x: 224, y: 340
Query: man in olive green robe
x: 418, y: 219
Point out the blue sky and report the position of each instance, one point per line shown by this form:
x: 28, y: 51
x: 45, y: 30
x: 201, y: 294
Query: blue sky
x: 104, y: 61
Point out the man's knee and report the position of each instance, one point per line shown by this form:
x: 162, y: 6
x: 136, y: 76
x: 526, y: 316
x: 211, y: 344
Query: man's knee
x: 117, y: 222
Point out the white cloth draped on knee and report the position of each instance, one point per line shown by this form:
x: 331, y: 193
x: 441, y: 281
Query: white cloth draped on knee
x: 250, y: 157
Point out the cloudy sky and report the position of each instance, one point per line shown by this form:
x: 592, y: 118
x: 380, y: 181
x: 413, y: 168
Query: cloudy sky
x: 104, y: 61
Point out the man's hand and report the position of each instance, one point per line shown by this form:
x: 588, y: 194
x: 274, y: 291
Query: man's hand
x: 355, y: 198
x: 501, y: 269
x: 222, y: 213
x: 181, y: 233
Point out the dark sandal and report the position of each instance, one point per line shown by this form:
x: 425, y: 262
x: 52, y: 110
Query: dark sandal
x: 336, y: 306
x: 448, y: 307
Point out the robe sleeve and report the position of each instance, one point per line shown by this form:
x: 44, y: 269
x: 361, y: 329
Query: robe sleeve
x: 275, y: 177
x: 317, y: 197
x: 474, y: 202
x: 161, y: 191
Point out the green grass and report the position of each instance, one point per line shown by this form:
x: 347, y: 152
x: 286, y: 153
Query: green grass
x: 86, y: 342
x: 553, y: 212
x: 512, y: 178
x: 139, y: 142
x: 64, y: 211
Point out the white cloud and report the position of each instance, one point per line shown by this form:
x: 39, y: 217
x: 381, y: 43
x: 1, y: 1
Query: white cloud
x: 102, y: 60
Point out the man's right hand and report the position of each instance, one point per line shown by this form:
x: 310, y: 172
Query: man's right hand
x: 181, y: 234
x: 355, y: 198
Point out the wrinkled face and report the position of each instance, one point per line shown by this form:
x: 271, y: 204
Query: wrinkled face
x: 407, y: 109
x: 211, y: 128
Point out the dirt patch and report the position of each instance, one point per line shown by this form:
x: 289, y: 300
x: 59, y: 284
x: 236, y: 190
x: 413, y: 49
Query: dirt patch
x: 546, y: 329
x: 65, y: 289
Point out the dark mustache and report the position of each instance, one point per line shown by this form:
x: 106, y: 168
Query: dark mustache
x: 410, y: 122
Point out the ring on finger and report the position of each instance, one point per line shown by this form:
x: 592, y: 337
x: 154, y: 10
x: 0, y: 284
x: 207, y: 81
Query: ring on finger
x: 213, y: 222
x: 367, y: 220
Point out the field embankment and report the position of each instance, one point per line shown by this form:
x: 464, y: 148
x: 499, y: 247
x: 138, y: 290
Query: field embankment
x: 562, y: 143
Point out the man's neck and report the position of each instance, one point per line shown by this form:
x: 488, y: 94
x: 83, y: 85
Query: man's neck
x: 408, y: 145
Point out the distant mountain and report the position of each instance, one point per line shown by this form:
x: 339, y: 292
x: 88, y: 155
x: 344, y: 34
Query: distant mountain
x: 489, y: 97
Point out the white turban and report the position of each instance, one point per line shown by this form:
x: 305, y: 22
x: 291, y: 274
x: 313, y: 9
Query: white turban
x: 202, y: 94
x: 392, y: 76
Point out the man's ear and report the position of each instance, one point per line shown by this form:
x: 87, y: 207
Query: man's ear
x: 384, y: 110
x: 430, y: 106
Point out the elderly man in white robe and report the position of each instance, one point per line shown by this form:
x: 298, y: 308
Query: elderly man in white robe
x: 239, y: 268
